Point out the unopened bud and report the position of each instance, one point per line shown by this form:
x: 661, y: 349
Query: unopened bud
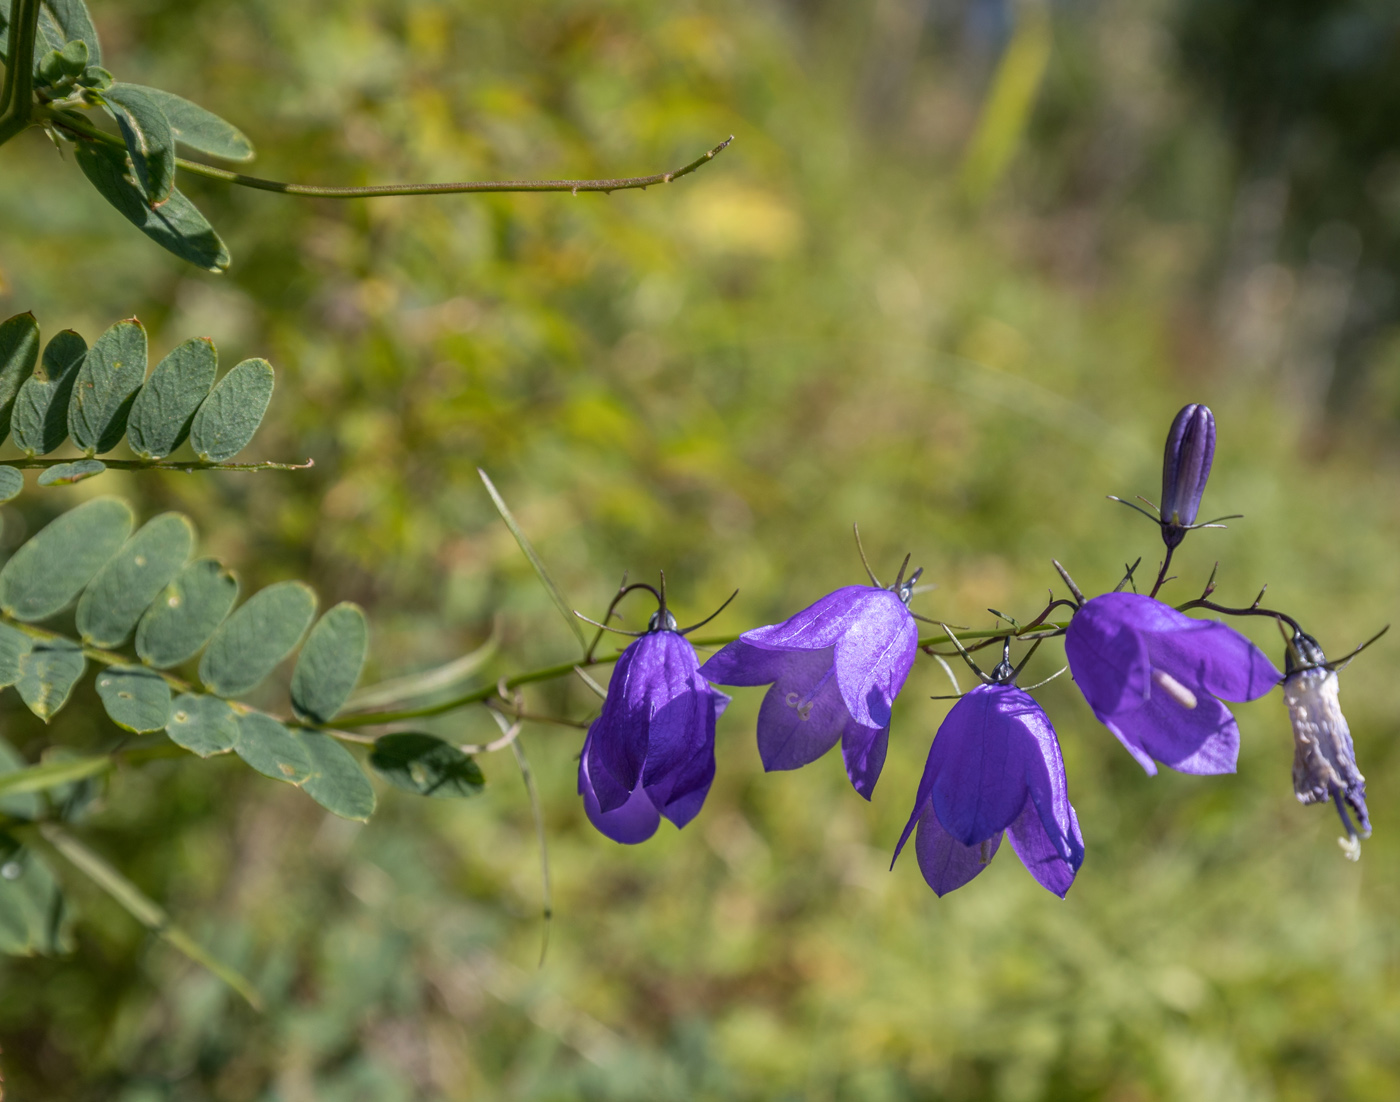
x: 1185, y: 468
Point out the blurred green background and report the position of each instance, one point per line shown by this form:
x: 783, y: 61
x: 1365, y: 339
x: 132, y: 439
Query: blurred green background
x: 960, y: 267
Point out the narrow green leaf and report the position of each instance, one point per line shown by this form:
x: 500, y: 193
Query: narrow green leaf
x: 176, y: 225
x: 330, y: 663
x: 136, y: 697
x: 144, y: 910
x: 425, y: 766
x: 65, y: 474
x: 199, y: 129
x: 11, y: 483
x: 47, y: 675
x: 185, y: 614
x: 165, y: 407
x: 250, y: 643
x: 149, y: 141
x: 63, y: 21
x: 40, y: 416
x: 229, y: 417
x: 33, y: 915
x: 120, y: 592
x: 52, y: 773
x: 52, y: 568
x: 203, y: 724
x: 106, y: 386
x: 19, y: 352
x: 565, y: 609
x: 272, y: 749
x: 14, y: 645
x: 337, y: 782
x: 25, y: 802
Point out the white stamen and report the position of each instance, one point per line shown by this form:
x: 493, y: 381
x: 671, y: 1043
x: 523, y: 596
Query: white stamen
x: 1174, y: 689
x: 1351, y: 846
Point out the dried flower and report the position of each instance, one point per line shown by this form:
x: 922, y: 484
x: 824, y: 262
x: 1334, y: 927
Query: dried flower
x: 1324, y: 761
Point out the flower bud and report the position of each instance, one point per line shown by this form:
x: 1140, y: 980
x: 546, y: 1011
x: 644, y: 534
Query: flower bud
x: 1185, y: 468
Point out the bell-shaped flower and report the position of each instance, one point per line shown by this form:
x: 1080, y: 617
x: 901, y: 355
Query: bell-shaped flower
x: 1324, y: 760
x: 1156, y: 678
x: 995, y: 767
x: 1185, y: 468
x: 835, y: 668
x: 651, y: 751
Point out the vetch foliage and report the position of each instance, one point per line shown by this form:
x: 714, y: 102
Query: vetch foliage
x: 97, y: 398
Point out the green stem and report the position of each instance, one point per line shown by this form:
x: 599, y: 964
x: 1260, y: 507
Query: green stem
x: 160, y: 465
x: 17, y: 93
x: 548, y: 673
x: 76, y: 124
x: 142, y: 908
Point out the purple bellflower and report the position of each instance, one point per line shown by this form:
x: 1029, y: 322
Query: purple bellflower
x: 1185, y: 468
x: 651, y: 751
x: 835, y: 668
x: 1156, y: 678
x: 1324, y: 761
x: 995, y: 767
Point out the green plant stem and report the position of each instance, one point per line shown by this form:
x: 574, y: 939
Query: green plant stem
x: 17, y: 93
x: 548, y: 673
x: 160, y: 464
x: 76, y: 124
x: 145, y: 910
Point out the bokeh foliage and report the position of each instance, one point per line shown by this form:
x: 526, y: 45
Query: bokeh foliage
x: 716, y: 378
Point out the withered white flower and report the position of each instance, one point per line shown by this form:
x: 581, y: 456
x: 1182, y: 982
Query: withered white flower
x: 1324, y: 760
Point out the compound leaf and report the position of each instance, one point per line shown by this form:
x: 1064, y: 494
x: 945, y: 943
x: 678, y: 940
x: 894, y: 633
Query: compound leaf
x: 11, y: 483
x: 64, y: 21
x: 164, y: 408
x: 19, y: 352
x: 229, y: 417
x: 185, y: 613
x: 47, y: 675
x: 250, y: 643
x: 53, y: 567
x: 65, y: 474
x: 425, y: 766
x: 33, y: 915
x: 199, y: 129
x: 106, y: 386
x: 40, y: 417
x: 176, y: 225
x: 203, y: 724
x: 14, y: 645
x: 272, y: 749
x: 337, y: 782
x: 121, y: 591
x: 330, y: 663
x: 149, y: 142
x: 136, y: 697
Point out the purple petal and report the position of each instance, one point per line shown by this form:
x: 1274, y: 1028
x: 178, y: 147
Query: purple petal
x: 874, y: 656
x: 922, y: 803
x: 1108, y: 656
x: 1041, y: 848
x: 819, y: 625
x: 1203, y: 739
x: 635, y: 820
x: 983, y: 758
x: 687, y: 794
x: 1214, y: 657
x: 863, y: 750
x: 646, y: 678
x: 945, y: 862
x: 740, y: 663
x: 802, y: 714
